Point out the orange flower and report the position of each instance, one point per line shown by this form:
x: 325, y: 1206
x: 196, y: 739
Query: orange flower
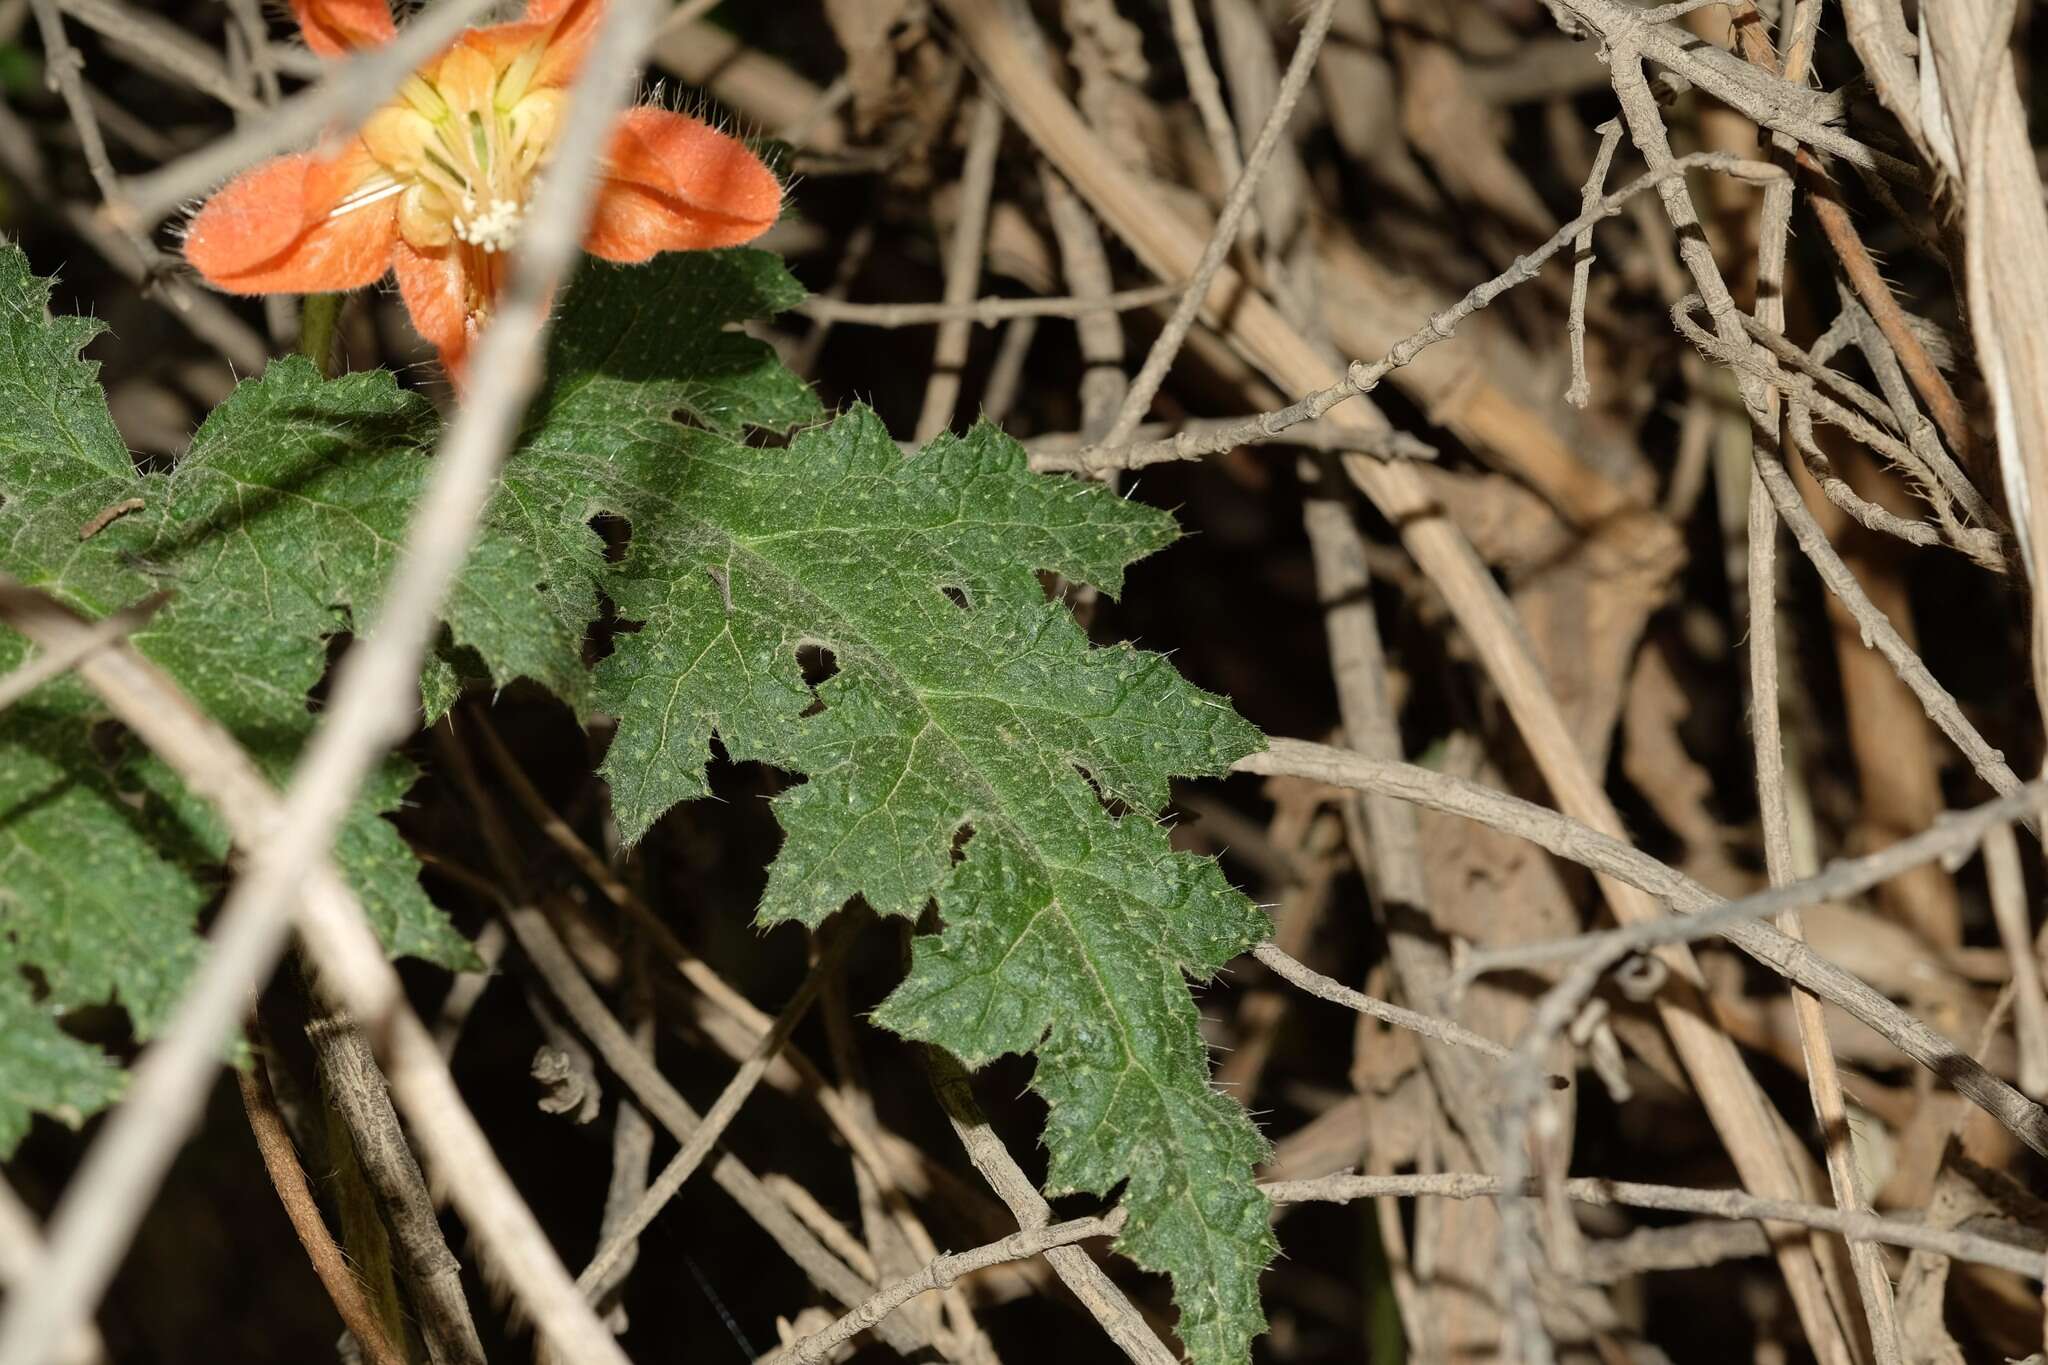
x: 435, y: 184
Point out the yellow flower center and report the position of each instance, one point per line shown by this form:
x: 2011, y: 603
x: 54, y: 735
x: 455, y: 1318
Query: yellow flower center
x: 460, y: 146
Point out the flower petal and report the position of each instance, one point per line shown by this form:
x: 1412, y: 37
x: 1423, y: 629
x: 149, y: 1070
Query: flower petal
x: 269, y: 230
x: 335, y: 28
x: 674, y: 183
x: 550, y: 41
x: 436, y: 291
x: 575, y: 25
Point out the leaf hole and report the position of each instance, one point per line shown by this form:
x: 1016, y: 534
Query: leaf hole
x: 819, y: 666
x: 1115, y: 806
x: 818, y: 663
x: 615, y: 532
x: 957, y: 596
x: 961, y: 838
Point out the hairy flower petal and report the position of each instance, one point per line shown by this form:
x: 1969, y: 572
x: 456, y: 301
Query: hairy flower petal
x: 274, y: 229
x: 674, y: 183
x: 575, y: 23
x: 543, y: 50
x: 334, y: 28
x: 436, y: 291
x: 437, y: 183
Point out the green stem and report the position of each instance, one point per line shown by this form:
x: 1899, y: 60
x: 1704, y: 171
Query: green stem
x: 319, y: 321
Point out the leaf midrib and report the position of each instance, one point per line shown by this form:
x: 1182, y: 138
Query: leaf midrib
x: 776, y: 573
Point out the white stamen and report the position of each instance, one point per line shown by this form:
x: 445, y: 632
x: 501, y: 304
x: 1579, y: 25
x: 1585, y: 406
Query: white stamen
x: 492, y: 230
x: 366, y: 194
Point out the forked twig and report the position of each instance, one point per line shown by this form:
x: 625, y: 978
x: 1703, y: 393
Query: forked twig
x: 1611, y: 857
x: 1323, y: 988
x: 1145, y: 386
x: 1362, y: 377
x: 716, y: 1119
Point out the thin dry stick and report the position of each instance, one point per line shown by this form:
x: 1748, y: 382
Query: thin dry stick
x: 736, y: 1026
x: 1941, y: 707
x: 963, y: 266
x: 1921, y: 455
x: 1323, y: 988
x: 982, y: 312
x: 57, y: 662
x: 1068, y: 452
x: 818, y: 1219
x: 468, y: 987
x: 1808, y: 400
x: 666, y: 1105
x: 1689, y: 1246
x: 1386, y: 840
x: 274, y: 1143
x: 1224, y: 235
x: 859, y: 243
x: 1963, y: 1246
x: 1877, y: 31
x: 1251, y: 71
x: 374, y: 704
x: 1868, y: 281
x: 714, y: 1123
x: 687, y: 964
x: 262, y: 57
x: 632, y: 1153
x: 940, y: 1274
x: 352, y: 969
x: 1101, y: 335
x: 1524, y: 1335
x: 886, y: 1232
x: 1108, y: 1304
x: 1824, y: 1079
x: 1205, y: 90
x: 1581, y: 390
x: 859, y: 1136
x: 1701, y: 912
x: 152, y: 41
x: 1362, y: 378
x: 2009, y: 908
x: 1006, y: 371
x: 63, y: 63
x: 431, y: 1272
x: 1891, y: 380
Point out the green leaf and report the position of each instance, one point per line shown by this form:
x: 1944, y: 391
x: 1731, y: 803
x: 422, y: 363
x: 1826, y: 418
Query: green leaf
x: 968, y: 748
x: 44, y: 1070
x: 278, y: 525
